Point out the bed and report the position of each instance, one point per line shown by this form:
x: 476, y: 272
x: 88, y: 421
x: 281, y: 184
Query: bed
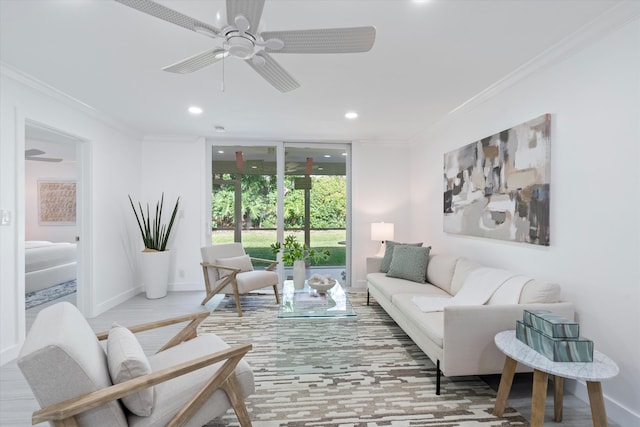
x: 48, y: 264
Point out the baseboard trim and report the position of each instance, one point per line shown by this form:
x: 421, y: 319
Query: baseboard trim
x: 118, y: 299
x: 616, y: 412
x: 9, y: 354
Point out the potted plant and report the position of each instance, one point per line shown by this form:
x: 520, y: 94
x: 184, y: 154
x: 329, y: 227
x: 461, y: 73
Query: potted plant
x: 155, y: 256
x: 297, y: 254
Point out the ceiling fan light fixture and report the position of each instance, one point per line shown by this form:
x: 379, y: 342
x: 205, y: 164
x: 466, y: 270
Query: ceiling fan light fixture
x: 240, y: 47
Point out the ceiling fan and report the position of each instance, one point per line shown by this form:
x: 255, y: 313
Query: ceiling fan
x: 33, y: 153
x: 242, y: 40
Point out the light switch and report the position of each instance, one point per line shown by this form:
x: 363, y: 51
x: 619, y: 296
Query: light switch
x: 5, y: 217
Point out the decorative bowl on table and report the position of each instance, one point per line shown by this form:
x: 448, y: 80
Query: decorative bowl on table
x: 320, y: 283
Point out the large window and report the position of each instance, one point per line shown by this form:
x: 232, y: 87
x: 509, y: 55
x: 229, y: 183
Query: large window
x: 314, y: 201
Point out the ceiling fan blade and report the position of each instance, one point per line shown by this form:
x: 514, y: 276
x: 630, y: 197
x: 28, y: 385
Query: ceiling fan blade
x: 273, y: 72
x: 166, y: 14
x: 197, y: 62
x: 43, y: 159
x: 32, y: 152
x: 250, y: 9
x: 329, y: 40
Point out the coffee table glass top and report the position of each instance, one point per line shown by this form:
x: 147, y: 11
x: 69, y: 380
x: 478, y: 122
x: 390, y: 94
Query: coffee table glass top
x: 308, y: 302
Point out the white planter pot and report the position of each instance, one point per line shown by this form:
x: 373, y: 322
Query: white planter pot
x: 299, y: 274
x: 155, y: 273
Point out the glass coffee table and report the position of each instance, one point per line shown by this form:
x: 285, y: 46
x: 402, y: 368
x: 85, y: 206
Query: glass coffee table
x: 317, y: 331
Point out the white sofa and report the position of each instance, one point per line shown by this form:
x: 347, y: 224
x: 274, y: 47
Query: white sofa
x: 459, y: 339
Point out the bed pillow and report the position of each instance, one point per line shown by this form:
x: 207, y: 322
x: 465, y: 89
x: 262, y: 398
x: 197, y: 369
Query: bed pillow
x: 126, y: 360
x: 388, y: 253
x: 410, y: 263
x: 242, y: 263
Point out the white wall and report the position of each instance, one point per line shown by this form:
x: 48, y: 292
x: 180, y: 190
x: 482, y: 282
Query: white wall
x: 380, y: 182
x: 112, y: 169
x: 35, y: 171
x: 176, y: 166
x: 594, y: 99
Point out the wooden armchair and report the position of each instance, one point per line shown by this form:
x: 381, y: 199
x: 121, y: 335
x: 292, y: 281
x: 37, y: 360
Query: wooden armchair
x: 191, y: 380
x: 228, y: 269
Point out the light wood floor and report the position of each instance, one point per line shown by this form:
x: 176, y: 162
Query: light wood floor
x: 17, y: 402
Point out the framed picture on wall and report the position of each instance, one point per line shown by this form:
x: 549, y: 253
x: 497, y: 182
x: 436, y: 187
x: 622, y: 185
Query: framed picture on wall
x: 56, y: 202
x: 499, y: 186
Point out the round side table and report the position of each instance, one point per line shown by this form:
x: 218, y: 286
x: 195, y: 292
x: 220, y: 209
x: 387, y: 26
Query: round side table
x: 516, y: 352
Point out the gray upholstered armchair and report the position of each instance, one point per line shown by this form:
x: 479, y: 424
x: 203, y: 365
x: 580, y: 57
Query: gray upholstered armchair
x: 228, y: 269
x: 190, y: 381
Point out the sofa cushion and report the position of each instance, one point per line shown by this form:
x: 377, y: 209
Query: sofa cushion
x: 390, y: 286
x: 388, y: 253
x: 430, y: 324
x: 409, y: 262
x: 242, y: 263
x: 127, y: 361
x: 537, y: 291
x: 464, y: 266
x: 440, y: 271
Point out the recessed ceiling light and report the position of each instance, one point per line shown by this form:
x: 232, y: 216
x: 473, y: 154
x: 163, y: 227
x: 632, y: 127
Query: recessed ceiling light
x: 220, y: 151
x: 220, y: 129
x: 344, y: 154
x: 195, y: 110
x: 351, y: 115
x: 327, y: 155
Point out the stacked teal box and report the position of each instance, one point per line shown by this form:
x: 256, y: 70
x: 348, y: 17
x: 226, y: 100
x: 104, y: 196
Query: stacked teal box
x: 551, y: 324
x: 554, y: 336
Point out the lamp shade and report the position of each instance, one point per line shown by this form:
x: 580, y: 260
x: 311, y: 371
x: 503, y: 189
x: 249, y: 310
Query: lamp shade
x: 381, y: 231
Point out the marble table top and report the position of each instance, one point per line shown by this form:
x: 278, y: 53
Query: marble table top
x: 601, y: 368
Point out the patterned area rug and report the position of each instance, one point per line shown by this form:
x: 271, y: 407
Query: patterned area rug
x: 391, y: 384
x: 33, y: 299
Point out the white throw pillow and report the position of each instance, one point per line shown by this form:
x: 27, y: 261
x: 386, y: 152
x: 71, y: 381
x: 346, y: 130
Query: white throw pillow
x: 242, y: 263
x: 537, y: 291
x: 126, y: 361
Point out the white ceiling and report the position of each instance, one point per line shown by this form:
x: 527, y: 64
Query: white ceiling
x: 428, y: 58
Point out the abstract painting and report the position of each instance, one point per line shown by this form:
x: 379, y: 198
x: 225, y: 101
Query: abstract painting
x: 56, y: 202
x: 498, y: 187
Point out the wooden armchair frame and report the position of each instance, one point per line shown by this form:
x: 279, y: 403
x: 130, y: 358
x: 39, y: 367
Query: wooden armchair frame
x: 231, y: 279
x: 63, y: 414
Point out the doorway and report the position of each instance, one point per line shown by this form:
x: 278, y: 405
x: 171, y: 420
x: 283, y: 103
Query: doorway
x: 51, y: 218
x: 262, y: 193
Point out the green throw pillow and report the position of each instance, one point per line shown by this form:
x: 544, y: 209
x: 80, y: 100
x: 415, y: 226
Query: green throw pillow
x: 388, y: 253
x: 410, y: 263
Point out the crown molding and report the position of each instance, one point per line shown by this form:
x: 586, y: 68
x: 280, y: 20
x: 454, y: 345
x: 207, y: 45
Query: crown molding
x: 185, y: 139
x: 62, y: 97
x: 609, y: 21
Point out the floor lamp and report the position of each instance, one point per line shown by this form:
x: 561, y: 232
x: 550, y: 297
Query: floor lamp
x: 381, y: 231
